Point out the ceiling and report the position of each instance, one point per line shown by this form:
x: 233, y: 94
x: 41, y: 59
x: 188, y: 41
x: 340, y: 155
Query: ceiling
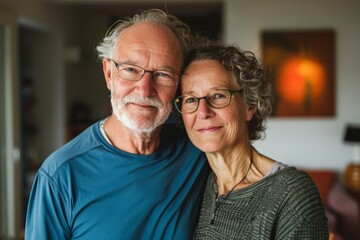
x: 126, y: 7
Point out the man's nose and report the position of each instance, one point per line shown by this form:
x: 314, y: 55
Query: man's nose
x: 146, y: 85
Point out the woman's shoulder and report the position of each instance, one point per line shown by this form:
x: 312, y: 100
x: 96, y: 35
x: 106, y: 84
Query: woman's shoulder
x: 293, y: 177
x: 295, y: 184
x: 290, y: 172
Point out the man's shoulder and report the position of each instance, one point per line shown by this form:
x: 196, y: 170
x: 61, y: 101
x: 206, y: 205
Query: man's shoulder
x: 174, y: 133
x: 174, y: 127
x: 175, y: 142
x: 75, y: 148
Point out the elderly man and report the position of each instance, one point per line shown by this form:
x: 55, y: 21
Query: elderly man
x: 129, y: 176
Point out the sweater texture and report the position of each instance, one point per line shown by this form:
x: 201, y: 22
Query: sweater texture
x: 284, y: 205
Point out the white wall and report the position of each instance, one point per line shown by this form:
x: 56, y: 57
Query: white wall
x: 306, y: 142
x: 313, y: 142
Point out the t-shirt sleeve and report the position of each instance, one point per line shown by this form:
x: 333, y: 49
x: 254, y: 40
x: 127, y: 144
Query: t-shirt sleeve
x: 46, y: 214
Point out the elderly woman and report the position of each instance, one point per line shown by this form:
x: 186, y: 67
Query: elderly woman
x: 225, y: 100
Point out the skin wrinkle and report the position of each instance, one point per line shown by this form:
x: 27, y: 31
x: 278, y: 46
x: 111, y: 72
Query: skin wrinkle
x: 227, y: 144
x: 141, y: 107
x: 237, y: 202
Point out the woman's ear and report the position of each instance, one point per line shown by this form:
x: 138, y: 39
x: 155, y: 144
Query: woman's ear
x: 107, y: 72
x: 250, y: 113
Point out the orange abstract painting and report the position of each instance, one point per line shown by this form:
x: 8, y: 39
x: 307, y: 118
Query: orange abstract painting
x: 303, y: 67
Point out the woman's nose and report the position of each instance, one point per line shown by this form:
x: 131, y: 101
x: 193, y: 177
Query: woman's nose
x: 204, y: 110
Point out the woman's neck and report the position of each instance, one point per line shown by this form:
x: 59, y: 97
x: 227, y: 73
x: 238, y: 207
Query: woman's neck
x: 231, y: 169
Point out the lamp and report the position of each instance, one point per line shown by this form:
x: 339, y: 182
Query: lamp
x: 352, y: 171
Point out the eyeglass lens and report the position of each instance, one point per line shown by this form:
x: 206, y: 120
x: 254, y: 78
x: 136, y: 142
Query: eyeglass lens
x: 135, y: 73
x: 216, y: 99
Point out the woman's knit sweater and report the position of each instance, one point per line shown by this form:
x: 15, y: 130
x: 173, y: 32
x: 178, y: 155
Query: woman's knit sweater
x: 284, y: 205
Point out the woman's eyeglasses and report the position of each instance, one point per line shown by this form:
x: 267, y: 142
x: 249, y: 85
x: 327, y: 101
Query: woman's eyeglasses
x: 218, y: 98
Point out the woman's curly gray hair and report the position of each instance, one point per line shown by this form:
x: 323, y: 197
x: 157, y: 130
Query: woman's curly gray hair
x: 251, y: 77
x: 182, y: 31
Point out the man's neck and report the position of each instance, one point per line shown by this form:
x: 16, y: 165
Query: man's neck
x: 130, y: 141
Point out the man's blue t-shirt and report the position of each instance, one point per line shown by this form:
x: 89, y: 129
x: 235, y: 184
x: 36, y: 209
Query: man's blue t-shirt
x: 89, y: 189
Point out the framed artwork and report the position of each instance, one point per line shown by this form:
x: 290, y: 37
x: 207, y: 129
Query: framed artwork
x: 303, y: 66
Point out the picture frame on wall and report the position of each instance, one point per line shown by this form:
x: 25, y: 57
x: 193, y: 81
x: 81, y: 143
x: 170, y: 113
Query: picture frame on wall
x: 302, y: 63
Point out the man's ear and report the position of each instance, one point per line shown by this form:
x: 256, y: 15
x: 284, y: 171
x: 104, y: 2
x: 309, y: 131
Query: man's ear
x: 107, y: 72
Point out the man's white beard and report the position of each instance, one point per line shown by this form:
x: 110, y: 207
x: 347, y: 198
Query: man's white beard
x: 131, y: 122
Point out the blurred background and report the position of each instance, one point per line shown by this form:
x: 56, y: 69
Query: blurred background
x: 52, y: 87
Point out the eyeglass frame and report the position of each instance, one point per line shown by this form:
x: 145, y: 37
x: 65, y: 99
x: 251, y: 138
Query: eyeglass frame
x: 231, y: 92
x: 144, y: 71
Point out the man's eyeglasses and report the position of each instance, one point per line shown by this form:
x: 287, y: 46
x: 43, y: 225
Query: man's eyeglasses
x: 135, y: 73
x: 218, y: 98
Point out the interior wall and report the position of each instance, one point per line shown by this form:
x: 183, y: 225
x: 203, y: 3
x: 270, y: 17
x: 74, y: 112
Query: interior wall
x: 306, y: 142
x: 85, y: 81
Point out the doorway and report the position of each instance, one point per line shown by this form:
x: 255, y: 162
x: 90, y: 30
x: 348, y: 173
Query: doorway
x: 10, y: 205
